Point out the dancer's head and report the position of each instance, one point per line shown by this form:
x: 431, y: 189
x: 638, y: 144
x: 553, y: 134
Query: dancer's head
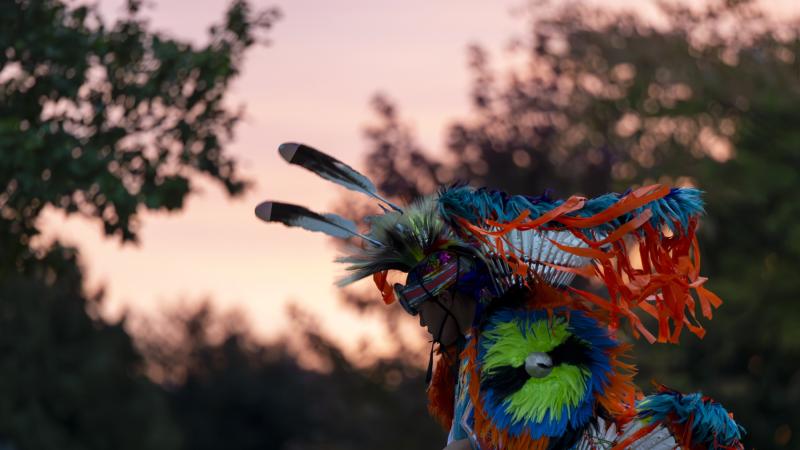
x: 440, y: 291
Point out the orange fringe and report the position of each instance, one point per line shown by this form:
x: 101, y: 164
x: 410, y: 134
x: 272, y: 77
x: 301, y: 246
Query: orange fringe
x: 387, y: 291
x: 661, y: 288
x: 682, y: 431
x: 442, y: 391
x: 640, y: 433
x: 620, y: 395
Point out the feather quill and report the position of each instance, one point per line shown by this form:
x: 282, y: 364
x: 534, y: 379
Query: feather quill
x: 330, y: 169
x: 298, y: 216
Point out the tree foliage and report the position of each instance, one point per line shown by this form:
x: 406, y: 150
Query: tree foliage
x: 69, y: 380
x: 105, y: 119
x: 228, y: 390
x: 604, y: 101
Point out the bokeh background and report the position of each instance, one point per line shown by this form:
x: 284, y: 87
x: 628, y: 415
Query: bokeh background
x: 143, y: 306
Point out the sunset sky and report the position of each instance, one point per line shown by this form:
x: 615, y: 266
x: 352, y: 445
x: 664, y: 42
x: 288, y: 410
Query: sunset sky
x: 313, y: 84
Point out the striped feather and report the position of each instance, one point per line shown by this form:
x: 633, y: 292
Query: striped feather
x: 301, y: 217
x: 330, y: 169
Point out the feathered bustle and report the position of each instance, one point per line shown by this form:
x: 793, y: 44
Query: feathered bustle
x: 698, y: 420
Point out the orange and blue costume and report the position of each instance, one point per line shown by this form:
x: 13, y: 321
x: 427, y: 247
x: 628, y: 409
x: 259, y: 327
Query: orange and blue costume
x: 542, y: 366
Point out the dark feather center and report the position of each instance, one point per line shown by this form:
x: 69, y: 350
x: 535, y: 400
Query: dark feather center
x: 506, y: 380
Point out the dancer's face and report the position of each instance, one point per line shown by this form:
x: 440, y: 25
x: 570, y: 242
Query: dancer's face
x: 433, y: 314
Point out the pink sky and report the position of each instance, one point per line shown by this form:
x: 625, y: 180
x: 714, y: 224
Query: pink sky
x: 313, y: 84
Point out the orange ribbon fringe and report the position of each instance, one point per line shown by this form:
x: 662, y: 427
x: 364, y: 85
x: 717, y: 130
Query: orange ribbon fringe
x: 387, y: 291
x: 442, y: 390
x: 661, y: 288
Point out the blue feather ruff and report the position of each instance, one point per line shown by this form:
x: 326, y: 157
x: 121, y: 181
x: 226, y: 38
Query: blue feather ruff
x: 709, y: 421
x: 476, y: 205
x: 599, y: 341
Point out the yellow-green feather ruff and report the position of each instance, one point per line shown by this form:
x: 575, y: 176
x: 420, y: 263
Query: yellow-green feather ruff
x: 511, y: 342
x: 514, y: 340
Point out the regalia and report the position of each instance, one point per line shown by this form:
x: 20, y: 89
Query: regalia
x: 543, y: 365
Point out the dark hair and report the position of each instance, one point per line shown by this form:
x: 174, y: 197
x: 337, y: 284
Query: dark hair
x: 514, y: 298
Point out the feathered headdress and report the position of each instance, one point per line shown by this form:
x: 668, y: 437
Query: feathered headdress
x: 599, y: 238
x: 399, y: 239
x: 640, y: 244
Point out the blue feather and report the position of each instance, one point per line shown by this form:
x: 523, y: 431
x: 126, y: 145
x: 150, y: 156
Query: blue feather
x: 477, y: 205
x: 710, y: 422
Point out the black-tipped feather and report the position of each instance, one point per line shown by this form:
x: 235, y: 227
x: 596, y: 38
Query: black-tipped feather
x: 330, y: 169
x: 298, y: 216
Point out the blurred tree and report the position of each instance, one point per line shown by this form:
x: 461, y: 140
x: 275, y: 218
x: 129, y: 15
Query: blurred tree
x: 70, y: 380
x: 606, y: 100
x: 227, y: 390
x: 102, y: 119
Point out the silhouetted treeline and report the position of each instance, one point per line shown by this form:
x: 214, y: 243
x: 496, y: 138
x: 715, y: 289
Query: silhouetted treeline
x: 229, y: 391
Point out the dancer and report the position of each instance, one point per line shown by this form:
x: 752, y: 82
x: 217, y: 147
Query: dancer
x: 525, y: 360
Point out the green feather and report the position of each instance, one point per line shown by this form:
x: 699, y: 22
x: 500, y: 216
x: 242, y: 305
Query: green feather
x: 509, y: 343
x: 405, y: 240
x: 565, y: 385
